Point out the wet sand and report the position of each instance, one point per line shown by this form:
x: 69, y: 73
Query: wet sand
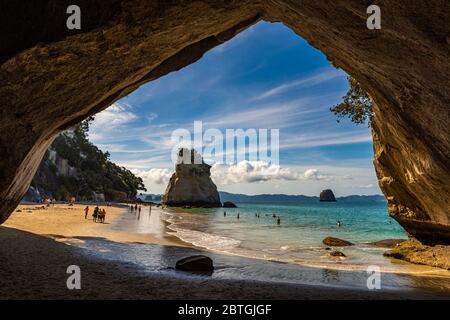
x: 34, y: 265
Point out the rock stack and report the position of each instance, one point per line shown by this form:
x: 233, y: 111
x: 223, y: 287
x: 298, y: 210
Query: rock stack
x: 191, y: 184
x: 327, y: 195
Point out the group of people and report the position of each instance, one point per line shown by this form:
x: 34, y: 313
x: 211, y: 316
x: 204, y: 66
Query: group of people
x: 135, y: 208
x: 98, y: 215
x: 256, y: 215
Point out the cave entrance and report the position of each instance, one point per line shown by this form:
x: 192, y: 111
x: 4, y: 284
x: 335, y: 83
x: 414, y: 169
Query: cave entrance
x: 269, y: 88
x: 265, y: 84
x: 133, y: 45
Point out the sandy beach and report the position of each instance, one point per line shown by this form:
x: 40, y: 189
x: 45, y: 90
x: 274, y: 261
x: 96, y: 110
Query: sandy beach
x: 37, y: 246
x: 63, y: 223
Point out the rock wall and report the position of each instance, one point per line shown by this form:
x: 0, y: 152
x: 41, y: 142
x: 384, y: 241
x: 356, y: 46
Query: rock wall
x: 51, y: 78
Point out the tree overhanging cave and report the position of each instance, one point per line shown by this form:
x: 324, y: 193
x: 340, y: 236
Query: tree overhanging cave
x: 52, y: 78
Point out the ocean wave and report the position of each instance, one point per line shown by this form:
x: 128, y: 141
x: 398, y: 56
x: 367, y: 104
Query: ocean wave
x: 204, y: 240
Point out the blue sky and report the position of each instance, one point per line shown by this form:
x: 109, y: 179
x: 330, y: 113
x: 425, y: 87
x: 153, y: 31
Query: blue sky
x: 266, y: 77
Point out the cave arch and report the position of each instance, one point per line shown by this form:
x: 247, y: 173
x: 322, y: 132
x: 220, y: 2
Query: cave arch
x: 53, y: 78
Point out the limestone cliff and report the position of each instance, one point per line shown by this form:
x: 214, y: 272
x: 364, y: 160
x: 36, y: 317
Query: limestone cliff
x: 191, y: 184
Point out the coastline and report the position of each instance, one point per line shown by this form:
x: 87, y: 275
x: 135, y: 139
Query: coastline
x: 38, y: 254
x: 72, y: 226
x: 390, y: 265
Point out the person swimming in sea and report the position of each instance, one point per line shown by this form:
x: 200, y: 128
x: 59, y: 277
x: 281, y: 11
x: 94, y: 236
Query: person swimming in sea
x: 274, y: 215
x: 278, y: 221
x: 238, y: 215
x: 339, y: 223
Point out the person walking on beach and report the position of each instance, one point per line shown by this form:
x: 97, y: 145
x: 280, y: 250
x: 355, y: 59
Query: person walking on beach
x: 139, y: 210
x: 278, y: 221
x: 135, y: 207
x: 103, y: 216
x: 96, y: 213
x: 238, y: 216
x: 86, y: 212
x: 224, y: 213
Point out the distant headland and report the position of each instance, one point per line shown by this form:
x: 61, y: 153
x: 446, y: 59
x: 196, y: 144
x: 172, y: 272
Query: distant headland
x: 277, y: 198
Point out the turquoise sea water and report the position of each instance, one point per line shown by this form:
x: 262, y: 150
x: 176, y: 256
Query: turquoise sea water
x: 299, y: 236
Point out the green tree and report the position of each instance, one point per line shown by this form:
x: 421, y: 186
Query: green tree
x: 356, y: 104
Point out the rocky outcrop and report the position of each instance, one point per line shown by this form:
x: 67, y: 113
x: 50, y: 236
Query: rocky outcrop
x: 198, y: 263
x: 338, y: 254
x: 52, y: 78
x: 336, y: 242
x: 229, y: 204
x: 327, y: 196
x: 413, y: 251
x: 387, y: 243
x: 191, y: 184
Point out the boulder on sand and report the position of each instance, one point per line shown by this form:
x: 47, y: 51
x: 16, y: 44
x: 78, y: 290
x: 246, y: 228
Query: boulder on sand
x: 198, y: 263
x: 229, y: 204
x: 336, y: 242
x: 337, y: 254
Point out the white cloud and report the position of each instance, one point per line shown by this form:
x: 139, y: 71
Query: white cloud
x: 312, y: 80
x: 251, y: 171
x: 261, y: 171
x: 314, y: 174
x: 116, y: 116
x: 154, y: 175
x: 325, y: 139
x: 152, y: 116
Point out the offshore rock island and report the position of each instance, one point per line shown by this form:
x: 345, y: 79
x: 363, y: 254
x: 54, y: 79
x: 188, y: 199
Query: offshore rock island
x: 327, y: 196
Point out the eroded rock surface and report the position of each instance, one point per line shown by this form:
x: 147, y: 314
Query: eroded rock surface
x: 51, y: 78
x: 387, y: 243
x: 191, y: 184
x: 336, y: 242
x: 413, y: 251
